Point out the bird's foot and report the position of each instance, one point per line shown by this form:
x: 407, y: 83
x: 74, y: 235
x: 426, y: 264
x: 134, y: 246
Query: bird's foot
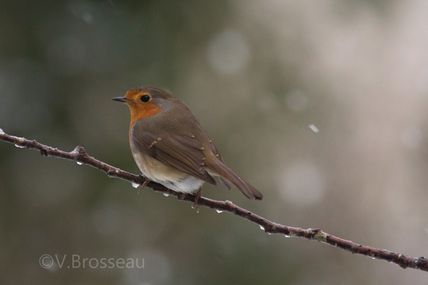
x: 195, y: 202
x: 146, y: 181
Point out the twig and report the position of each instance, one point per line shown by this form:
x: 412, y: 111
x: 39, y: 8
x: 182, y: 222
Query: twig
x: 80, y: 156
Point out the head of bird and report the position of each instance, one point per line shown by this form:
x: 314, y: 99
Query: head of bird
x: 146, y: 102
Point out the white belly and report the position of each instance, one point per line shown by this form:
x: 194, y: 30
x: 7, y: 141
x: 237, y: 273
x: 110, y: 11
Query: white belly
x: 166, y: 175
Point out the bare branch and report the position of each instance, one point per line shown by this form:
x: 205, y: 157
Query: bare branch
x: 80, y: 156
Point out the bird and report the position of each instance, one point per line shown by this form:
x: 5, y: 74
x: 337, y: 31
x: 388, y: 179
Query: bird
x: 170, y: 147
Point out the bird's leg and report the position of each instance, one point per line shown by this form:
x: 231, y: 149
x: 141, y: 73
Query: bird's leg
x: 195, y: 202
x: 146, y: 181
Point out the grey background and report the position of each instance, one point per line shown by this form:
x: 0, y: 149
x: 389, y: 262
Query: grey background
x: 256, y: 74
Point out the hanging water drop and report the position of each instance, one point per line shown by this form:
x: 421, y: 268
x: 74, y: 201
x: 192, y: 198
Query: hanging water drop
x: 2, y: 132
x: 112, y: 173
x: 79, y: 162
x: 195, y: 207
x: 262, y: 228
x: 219, y: 211
x: 165, y: 194
x: 287, y: 236
x: 19, y: 146
x: 135, y: 185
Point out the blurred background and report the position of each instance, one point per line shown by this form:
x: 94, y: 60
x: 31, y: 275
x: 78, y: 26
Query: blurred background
x: 320, y: 104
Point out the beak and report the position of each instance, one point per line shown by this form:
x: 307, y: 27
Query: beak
x: 119, y: 99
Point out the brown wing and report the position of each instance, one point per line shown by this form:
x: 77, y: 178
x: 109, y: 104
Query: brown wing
x: 175, y: 138
x: 180, y: 151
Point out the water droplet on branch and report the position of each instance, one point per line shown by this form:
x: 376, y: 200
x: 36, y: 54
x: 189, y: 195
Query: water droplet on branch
x: 112, y: 173
x: 219, y: 211
x: 19, y: 146
x: 165, y: 194
x: 2, y: 132
x: 135, y: 185
x: 195, y: 207
x: 262, y: 228
x: 79, y: 162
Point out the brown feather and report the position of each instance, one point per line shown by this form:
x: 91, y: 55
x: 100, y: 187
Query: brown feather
x: 173, y: 144
x: 224, y: 171
x: 175, y: 138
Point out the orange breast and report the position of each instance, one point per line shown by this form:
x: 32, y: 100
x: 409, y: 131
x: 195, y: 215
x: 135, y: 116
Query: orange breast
x: 139, y: 112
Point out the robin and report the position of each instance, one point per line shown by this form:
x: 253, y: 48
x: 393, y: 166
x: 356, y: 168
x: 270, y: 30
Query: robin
x: 170, y: 147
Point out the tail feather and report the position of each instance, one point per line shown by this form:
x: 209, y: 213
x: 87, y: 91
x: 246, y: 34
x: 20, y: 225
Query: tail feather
x: 228, y: 175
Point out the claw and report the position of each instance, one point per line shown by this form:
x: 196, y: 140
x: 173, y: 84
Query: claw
x: 146, y: 181
x: 195, y: 202
x: 181, y: 196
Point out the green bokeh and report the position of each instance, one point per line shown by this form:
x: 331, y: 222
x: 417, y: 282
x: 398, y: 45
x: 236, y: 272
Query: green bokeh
x: 256, y: 74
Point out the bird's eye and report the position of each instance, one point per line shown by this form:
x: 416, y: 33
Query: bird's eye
x: 145, y: 98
